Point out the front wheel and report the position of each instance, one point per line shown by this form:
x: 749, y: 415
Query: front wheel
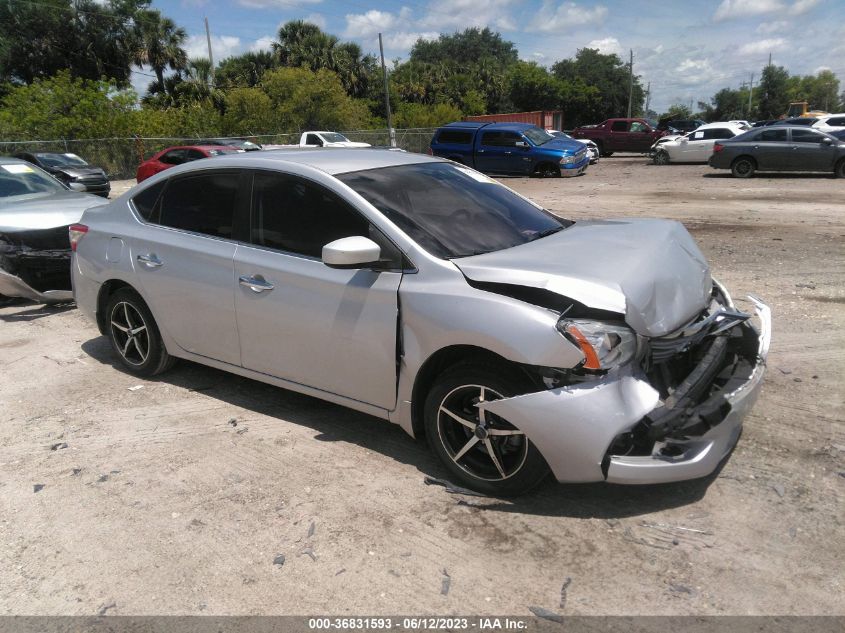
x: 547, y: 170
x: 743, y: 167
x: 134, y: 335
x: 483, y: 451
x: 661, y: 157
x: 839, y: 170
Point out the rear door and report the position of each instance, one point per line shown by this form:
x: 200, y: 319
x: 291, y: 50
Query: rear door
x: 490, y: 153
x: 618, y: 136
x: 183, y: 257
x: 772, y: 150
x: 300, y: 320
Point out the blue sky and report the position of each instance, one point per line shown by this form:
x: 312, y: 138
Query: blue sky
x: 687, y: 49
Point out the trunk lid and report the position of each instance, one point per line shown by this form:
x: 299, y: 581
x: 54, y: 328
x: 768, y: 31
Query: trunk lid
x: 651, y: 271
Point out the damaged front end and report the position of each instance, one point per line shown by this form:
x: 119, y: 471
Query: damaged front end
x: 671, y: 414
x: 35, y: 264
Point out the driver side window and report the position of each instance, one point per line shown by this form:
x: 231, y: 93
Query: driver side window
x: 297, y: 216
x: 636, y: 126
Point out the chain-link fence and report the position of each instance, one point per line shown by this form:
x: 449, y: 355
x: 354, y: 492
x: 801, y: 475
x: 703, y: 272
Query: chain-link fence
x: 120, y: 157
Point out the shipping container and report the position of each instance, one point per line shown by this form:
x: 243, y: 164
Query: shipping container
x: 546, y: 119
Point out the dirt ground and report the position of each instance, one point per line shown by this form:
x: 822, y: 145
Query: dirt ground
x: 175, y: 496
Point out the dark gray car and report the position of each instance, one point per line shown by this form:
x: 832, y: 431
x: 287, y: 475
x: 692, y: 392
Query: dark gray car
x: 780, y: 148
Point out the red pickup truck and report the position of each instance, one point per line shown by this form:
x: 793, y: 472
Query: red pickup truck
x: 620, y: 135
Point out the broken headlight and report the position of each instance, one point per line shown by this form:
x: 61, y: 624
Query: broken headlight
x: 604, y: 345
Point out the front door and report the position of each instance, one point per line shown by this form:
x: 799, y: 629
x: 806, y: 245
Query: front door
x: 811, y: 153
x: 300, y: 320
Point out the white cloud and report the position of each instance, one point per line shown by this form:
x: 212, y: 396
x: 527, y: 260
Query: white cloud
x: 767, y: 28
x: 802, y: 6
x: 275, y: 4
x: 607, y: 46
x: 264, y: 43
x: 315, y: 18
x: 566, y: 16
x: 404, y: 40
x: 444, y: 15
x: 222, y: 46
x: 761, y: 47
x: 744, y: 8
x: 369, y: 24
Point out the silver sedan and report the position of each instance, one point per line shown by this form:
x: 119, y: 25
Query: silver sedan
x: 420, y: 291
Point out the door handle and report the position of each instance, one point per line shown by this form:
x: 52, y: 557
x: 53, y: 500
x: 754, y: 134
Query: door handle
x: 150, y: 260
x: 256, y: 284
x: 481, y: 151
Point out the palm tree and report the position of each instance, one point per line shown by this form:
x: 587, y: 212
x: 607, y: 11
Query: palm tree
x: 160, y: 44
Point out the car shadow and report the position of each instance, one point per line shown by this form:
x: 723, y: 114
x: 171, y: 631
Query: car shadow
x: 37, y: 311
x: 773, y: 175
x: 335, y: 423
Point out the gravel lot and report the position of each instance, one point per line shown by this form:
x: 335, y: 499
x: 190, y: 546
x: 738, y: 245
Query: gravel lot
x: 174, y: 496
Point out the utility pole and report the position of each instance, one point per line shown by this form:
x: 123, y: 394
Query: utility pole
x: 631, y: 83
x: 741, y: 88
x: 750, y: 93
x: 391, y: 132
x: 647, y: 98
x: 210, y: 56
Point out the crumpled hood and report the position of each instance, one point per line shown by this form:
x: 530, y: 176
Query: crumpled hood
x: 570, y: 146
x: 649, y: 270
x: 33, y: 212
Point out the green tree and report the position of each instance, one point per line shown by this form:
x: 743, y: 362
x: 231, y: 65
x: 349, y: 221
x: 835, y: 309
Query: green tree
x: 610, y: 76
x: 774, y: 99
x: 246, y: 70
x: 249, y: 111
x: 307, y: 100
x: 532, y: 87
x: 90, y: 39
x: 415, y: 115
x: 160, y: 45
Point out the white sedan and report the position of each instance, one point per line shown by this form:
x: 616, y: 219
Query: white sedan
x: 695, y: 147
x: 592, y: 148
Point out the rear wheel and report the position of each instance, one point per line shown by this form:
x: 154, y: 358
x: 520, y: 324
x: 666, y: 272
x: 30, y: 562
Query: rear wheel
x: 743, y: 167
x: 661, y: 157
x: 482, y: 450
x: 839, y: 170
x: 134, y: 335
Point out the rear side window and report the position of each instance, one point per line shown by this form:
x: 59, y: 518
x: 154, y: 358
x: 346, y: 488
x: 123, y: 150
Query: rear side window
x: 457, y: 137
x: 173, y: 157
x: 836, y: 121
x: 145, y: 202
x: 772, y: 136
x: 492, y: 139
x: 717, y: 133
x: 204, y: 203
x: 195, y: 154
x: 619, y: 126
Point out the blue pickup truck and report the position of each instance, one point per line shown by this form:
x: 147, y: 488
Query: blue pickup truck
x: 510, y: 148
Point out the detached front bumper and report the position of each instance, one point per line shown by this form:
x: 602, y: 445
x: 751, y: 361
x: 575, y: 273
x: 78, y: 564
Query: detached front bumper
x: 575, y: 427
x: 13, y: 286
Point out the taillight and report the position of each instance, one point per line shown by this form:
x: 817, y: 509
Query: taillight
x: 429, y: 152
x: 718, y: 147
x: 75, y: 232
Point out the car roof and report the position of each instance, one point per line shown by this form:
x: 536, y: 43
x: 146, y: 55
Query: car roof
x: 468, y: 124
x: 11, y: 160
x: 719, y: 124
x: 330, y: 160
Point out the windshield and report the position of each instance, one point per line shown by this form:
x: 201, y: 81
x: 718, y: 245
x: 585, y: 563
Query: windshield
x: 17, y: 179
x: 560, y: 135
x: 61, y: 160
x: 334, y: 137
x: 452, y: 211
x: 538, y: 136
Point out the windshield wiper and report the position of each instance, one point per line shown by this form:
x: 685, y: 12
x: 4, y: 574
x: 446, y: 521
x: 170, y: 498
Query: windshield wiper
x: 546, y: 233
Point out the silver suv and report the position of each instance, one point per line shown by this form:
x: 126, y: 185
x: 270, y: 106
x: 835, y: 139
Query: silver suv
x: 425, y: 293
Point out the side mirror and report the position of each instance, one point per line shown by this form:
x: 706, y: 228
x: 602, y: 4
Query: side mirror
x: 521, y: 144
x: 351, y: 252
x: 76, y: 186
x: 827, y: 141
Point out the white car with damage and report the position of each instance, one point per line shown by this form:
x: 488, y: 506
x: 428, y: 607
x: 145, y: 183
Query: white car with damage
x: 694, y: 147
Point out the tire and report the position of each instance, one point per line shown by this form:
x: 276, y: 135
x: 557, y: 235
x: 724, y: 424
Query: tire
x: 547, y: 170
x: 839, y: 170
x: 457, y: 389
x: 661, y: 157
x: 743, y: 167
x: 142, y: 353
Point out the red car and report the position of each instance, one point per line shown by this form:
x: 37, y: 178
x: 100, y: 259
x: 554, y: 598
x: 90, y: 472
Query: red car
x: 171, y: 156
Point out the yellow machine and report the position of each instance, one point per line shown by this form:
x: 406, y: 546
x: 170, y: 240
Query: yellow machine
x: 801, y: 109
